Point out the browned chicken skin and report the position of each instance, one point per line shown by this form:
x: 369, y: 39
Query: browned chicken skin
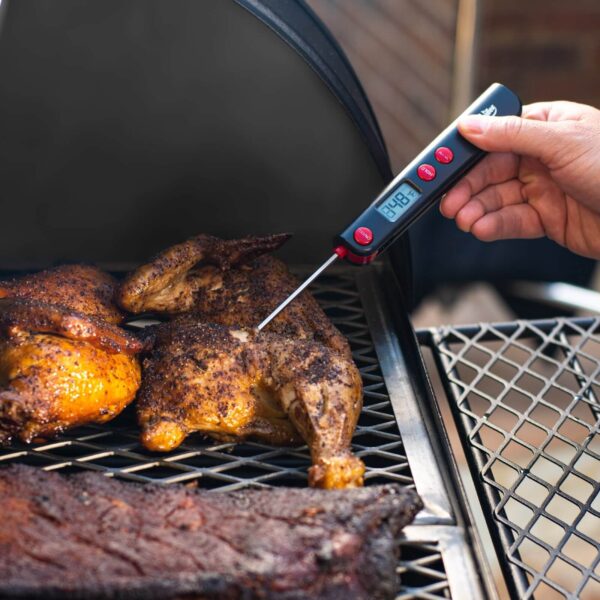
x: 295, y: 381
x: 231, y: 282
x: 82, y: 288
x: 22, y: 316
x: 63, y: 360
x: 60, y: 368
x: 232, y: 384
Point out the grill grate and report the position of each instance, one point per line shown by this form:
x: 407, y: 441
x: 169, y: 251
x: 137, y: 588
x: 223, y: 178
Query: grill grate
x: 525, y: 397
x: 114, y: 448
x: 422, y: 571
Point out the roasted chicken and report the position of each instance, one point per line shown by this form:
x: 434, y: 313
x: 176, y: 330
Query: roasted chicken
x: 233, y: 384
x: 83, y: 288
x: 210, y: 372
x: 60, y: 368
x: 63, y: 360
x: 231, y: 282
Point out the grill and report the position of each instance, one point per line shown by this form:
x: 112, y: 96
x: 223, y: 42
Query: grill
x: 436, y: 558
x: 525, y: 399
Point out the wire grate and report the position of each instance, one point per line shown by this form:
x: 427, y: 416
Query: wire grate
x: 422, y: 572
x: 526, y: 397
x: 114, y: 448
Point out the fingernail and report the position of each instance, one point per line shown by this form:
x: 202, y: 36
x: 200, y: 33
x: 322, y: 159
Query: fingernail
x: 471, y: 124
x: 463, y: 227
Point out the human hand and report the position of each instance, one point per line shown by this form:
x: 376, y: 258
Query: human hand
x: 542, y: 177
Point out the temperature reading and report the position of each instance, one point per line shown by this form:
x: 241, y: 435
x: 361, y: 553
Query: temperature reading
x: 396, y: 204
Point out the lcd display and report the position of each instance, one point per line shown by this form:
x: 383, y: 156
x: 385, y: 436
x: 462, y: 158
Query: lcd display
x: 399, y: 202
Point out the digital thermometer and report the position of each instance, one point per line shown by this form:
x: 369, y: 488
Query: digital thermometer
x: 414, y: 190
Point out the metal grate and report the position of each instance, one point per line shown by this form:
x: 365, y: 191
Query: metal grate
x: 114, y: 448
x: 525, y: 399
x: 421, y: 571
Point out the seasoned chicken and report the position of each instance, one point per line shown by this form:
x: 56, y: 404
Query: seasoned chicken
x: 60, y: 368
x: 82, y: 288
x: 231, y: 282
x: 233, y: 384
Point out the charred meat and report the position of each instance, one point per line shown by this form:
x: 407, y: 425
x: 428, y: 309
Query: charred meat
x: 88, y: 536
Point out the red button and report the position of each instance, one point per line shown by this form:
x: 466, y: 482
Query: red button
x: 363, y: 236
x: 426, y: 172
x: 444, y: 155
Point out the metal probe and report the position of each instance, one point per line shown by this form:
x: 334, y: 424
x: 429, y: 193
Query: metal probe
x: 291, y: 297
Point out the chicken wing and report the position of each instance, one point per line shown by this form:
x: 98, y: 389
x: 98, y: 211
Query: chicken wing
x: 83, y: 288
x: 233, y: 384
x: 60, y: 368
x: 231, y: 282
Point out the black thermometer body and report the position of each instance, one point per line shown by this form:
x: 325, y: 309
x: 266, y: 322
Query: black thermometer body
x: 424, y: 181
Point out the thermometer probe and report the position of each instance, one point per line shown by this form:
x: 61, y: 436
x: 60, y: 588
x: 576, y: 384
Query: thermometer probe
x: 413, y: 191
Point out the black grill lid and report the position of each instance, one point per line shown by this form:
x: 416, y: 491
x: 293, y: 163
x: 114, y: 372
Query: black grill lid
x: 127, y: 126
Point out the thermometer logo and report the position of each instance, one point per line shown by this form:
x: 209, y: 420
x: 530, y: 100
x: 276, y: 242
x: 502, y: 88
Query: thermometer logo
x: 489, y: 111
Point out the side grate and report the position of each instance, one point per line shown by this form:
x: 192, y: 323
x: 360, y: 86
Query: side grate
x: 525, y: 400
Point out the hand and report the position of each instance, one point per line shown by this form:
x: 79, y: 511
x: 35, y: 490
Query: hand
x: 542, y: 178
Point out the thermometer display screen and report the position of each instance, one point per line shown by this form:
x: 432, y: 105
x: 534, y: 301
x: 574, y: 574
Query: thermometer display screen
x: 399, y: 202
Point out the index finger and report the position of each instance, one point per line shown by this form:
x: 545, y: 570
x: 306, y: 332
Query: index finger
x: 537, y: 110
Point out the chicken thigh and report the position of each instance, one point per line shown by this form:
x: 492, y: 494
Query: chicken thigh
x: 231, y: 282
x: 233, y: 384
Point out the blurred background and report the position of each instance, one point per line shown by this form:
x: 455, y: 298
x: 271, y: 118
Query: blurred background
x: 407, y: 55
x: 421, y: 62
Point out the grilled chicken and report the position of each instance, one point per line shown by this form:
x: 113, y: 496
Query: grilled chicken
x: 60, y: 368
x: 83, y: 288
x: 232, y: 384
x: 231, y: 282
x: 63, y: 360
x: 88, y: 536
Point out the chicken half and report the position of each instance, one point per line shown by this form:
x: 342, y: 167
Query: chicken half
x: 83, y: 288
x: 234, y: 384
x: 60, y: 368
x: 63, y: 359
x: 231, y: 282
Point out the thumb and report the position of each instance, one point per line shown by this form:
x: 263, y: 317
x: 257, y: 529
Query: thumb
x: 538, y: 139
